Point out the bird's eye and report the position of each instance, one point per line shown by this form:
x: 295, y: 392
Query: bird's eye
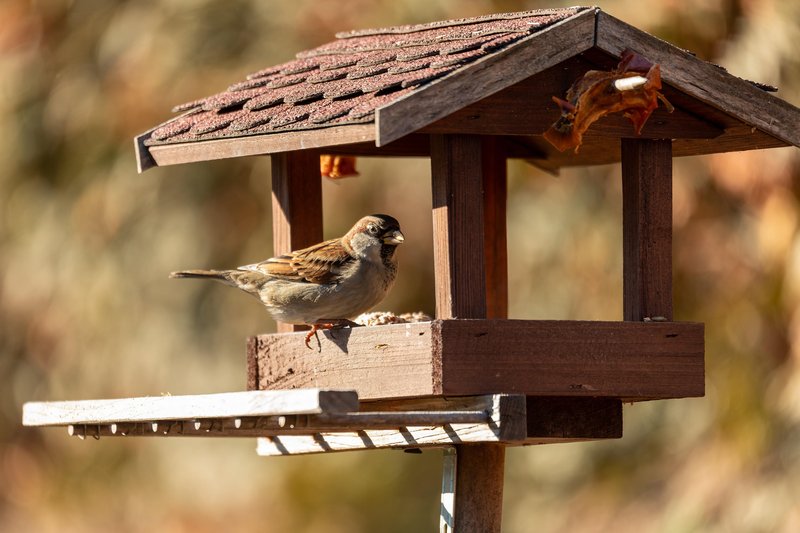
x: 372, y: 229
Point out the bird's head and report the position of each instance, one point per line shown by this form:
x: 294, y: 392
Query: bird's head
x: 374, y: 236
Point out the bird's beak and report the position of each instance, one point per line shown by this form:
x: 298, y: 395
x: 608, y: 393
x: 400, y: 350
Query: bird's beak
x: 394, y: 237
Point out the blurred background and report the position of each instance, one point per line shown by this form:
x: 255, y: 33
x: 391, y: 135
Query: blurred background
x: 87, y: 311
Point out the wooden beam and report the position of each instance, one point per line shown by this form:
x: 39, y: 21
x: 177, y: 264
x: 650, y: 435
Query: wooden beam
x: 222, y: 405
x: 495, y: 239
x: 296, y: 204
x: 460, y: 253
x: 627, y: 360
x: 485, y: 77
x: 704, y: 81
x: 647, y: 228
x: 458, y: 247
x: 190, y: 152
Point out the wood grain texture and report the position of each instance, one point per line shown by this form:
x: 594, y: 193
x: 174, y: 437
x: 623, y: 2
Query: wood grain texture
x: 388, y: 361
x: 458, y: 246
x: 647, y: 228
x: 222, y: 405
x: 485, y: 77
x: 626, y: 360
x: 479, y: 487
x: 296, y: 205
x: 704, y: 81
x: 495, y: 239
x: 174, y: 154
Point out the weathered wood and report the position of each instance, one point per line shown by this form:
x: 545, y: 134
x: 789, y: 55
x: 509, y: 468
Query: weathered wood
x: 626, y: 360
x: 222, y: 405
x: 296, y: 205
x: 506, y: 423
x: 458, y: 248
x: 485, y: 77
x: 495, y: 240
x: 704, y: 81
x: 647, y: 228
x: 448, y: 495
x: 173, y: 154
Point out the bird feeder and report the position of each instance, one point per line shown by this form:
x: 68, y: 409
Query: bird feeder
x: 469, y: 94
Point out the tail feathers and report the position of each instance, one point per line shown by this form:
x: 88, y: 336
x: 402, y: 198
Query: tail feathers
x: 218, y: 275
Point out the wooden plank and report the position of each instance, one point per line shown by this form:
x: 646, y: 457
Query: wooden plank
x: 626, y: 360
x: 222, y: 405
x: 573, y: 418
x: 647, y: 228
x: 388, y: 361
x: 631, y: 361
x: 190, y: 152
x: 296, y: 205
x: 458, y: 247
x: 485, y: 77
x: 704, y: 81
x: 448, y: 495
x: 495, y: 239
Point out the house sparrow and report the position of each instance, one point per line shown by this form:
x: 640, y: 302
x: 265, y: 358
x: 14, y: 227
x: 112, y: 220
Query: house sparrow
x: 324, y: 285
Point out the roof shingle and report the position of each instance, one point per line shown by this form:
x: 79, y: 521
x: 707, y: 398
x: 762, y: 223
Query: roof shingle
x: 344, y: 81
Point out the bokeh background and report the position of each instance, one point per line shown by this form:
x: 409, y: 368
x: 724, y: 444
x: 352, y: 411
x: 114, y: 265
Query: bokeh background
x: 87, y: 311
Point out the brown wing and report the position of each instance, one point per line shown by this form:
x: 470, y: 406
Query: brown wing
x: 322, y: 263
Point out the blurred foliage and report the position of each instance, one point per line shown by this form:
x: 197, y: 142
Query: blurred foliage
x: 86, y: 310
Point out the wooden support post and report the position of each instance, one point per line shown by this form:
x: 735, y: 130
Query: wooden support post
x: 460, y: 276
x: 296, y: 205
x: 495, y: 191
x: 647, y: 228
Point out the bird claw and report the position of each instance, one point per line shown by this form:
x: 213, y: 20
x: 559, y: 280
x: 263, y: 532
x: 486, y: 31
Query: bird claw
x: 333, y: 323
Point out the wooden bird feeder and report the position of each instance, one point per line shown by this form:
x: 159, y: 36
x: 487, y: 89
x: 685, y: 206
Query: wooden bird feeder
x: 468, y: 94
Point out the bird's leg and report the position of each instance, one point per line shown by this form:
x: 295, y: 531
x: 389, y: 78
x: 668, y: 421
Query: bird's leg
x: 328, y: 323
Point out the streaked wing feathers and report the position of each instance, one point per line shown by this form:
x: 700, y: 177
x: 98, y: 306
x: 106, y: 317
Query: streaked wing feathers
x: 322, y: 263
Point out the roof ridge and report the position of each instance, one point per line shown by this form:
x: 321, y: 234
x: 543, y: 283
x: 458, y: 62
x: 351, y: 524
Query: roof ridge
x: 413, y: 28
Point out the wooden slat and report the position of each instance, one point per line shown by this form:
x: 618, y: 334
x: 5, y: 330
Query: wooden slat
x: 223, y: 405
x: 647, y: 228
x: 506, y: 424
x: 296, y: 205
x: 389, y: 361
x: 627, y: 360
x: 458, y: 247
x: 173, y: 154
x: 704, y: 81
x: 485, y: 77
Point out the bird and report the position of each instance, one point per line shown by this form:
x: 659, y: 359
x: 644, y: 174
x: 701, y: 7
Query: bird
x: 325, y: 285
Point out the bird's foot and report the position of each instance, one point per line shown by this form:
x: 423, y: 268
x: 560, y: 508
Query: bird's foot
x: 327, y: 323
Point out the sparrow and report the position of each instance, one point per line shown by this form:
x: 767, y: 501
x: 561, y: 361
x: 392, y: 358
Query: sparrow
x: 325, y: 285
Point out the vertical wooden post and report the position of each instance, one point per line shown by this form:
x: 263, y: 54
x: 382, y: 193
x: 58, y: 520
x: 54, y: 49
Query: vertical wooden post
x: 647, y: 228
x: 459, y: 252
x: 296, y: 205
x: 495, y: 241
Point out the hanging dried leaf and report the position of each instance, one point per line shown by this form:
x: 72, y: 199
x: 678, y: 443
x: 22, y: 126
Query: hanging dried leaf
x: 599, y: 93
x: 337, y: 166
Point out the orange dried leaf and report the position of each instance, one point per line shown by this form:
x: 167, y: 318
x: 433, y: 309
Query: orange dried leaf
x: 600, y: 93
x: 337, y: 166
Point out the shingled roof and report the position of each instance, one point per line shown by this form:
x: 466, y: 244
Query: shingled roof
x: 378, y: 86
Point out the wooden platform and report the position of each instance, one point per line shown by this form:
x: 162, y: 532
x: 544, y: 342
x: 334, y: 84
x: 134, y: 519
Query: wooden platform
x: 630, y: 361
x: 301, y: 421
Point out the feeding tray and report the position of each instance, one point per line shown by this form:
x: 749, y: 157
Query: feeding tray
x: 630, y: 361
